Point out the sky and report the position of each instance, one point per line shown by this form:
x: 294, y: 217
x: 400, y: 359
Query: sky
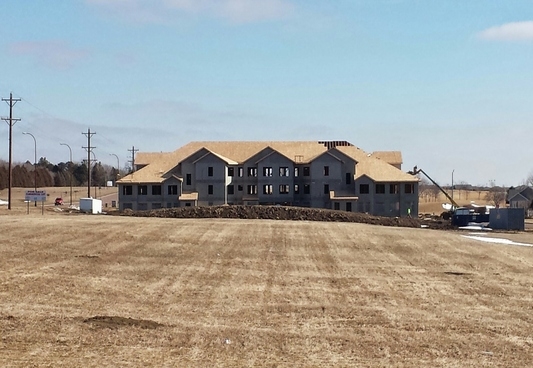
x: 447, y: 83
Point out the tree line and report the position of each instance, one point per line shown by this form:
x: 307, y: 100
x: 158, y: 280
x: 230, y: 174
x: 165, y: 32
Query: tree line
x: 46, y: 174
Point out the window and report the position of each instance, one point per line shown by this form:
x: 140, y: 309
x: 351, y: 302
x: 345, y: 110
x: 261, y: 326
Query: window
x: 296, y: 172
x: 188, y: 179
x: 283, y: 171
x: 348, y: 178
x: 380, y: 188
x: 156, y: 206
x: 231, y: 189
x: 348, y: 206
x: 326, y: 188
x: 210, y: 171
x: 172, y: 190
x: 142, y: 190
x: 142, y: 206
x: 296, y: 189
x: 326, y: 170
x: 251, y: 189
x: 409, y: 188
x: 267, y: 171
x: 240, y: 171
x: 231, y: 171
x: 252, y: 171
x: 307, y: 171
x: 267, y: 189
x: 239, y: 188
x: 283, y: 189
x: 307, y: 189
x: 393, y: 188
x: 337, y: 206
x: 127, y: 205
x: 156, y: 189
x: 127, y: 190
x: 364, y: 188
x: 210, y: 189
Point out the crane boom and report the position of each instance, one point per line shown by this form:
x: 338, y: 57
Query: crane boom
x: 416, y: 171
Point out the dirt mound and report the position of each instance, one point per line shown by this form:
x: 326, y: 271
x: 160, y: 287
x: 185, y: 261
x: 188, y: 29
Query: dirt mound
x: 114, y: 322
x: 276, y: 213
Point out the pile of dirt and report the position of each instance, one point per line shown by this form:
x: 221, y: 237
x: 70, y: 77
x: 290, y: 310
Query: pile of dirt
x: 279, y: 213
x: 114, y: 322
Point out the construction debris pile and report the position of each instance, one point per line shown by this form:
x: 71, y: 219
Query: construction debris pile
x: 278, y: 213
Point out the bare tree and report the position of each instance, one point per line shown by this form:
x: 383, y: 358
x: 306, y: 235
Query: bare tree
x: 495, y: 196
x: 529, y: 180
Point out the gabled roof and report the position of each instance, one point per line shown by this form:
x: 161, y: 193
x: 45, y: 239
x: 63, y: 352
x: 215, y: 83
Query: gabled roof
x: 375, y: 168
x: 225, y: 159
x: 391, y: 157
x: 270, y: 154
x: 237, y: 152
x: 521, y: 193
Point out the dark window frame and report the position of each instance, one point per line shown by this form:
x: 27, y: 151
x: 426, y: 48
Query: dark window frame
x: 142, y: 189
x: 127, y: 190
x: 171, y: 191
x: 157, y: 190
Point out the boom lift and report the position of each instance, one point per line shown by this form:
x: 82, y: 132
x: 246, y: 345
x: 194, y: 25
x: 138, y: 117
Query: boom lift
x: 445, y: 215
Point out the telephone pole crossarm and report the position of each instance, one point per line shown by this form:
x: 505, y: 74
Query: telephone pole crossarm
x: 89, y: 149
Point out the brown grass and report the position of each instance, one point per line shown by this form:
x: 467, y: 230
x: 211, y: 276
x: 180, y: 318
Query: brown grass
x: 18, y: 205
x: 428, y: 204
x: 79, y: 290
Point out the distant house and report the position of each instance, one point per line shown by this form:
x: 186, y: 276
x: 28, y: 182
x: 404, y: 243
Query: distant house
x: 330, y: 174
x: 521, y: 197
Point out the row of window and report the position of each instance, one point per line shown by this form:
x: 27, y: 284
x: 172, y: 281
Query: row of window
x: 393, y: 188
x: 267, y: 172
x: 143, y: 190
x: 267, y: 189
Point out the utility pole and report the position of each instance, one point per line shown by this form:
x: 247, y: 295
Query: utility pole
x: 89, y: 150
x: 69, y: 170
x: 133, y: 150
x: 10, y: 121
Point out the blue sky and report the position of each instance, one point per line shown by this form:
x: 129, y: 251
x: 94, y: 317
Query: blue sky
x: 449, y: 83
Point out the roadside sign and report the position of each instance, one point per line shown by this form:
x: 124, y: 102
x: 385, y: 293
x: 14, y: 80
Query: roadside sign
x: 35, y: 196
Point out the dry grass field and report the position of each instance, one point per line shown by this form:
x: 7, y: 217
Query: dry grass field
x: 19, y: 206
x: 428, y: 204
x: 93, y: 291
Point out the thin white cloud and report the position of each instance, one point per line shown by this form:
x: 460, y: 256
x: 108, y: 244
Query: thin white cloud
x: 516, y: 31
x: 51, y: 54
x: 167, y: 11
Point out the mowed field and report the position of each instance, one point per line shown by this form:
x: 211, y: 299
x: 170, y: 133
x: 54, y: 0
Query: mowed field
x: 94, y: 291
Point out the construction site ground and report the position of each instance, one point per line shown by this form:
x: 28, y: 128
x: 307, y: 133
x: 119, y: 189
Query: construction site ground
x: 95, y: 290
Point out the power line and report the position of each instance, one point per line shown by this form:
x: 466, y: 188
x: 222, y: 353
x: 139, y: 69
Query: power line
x: 10, y: 121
